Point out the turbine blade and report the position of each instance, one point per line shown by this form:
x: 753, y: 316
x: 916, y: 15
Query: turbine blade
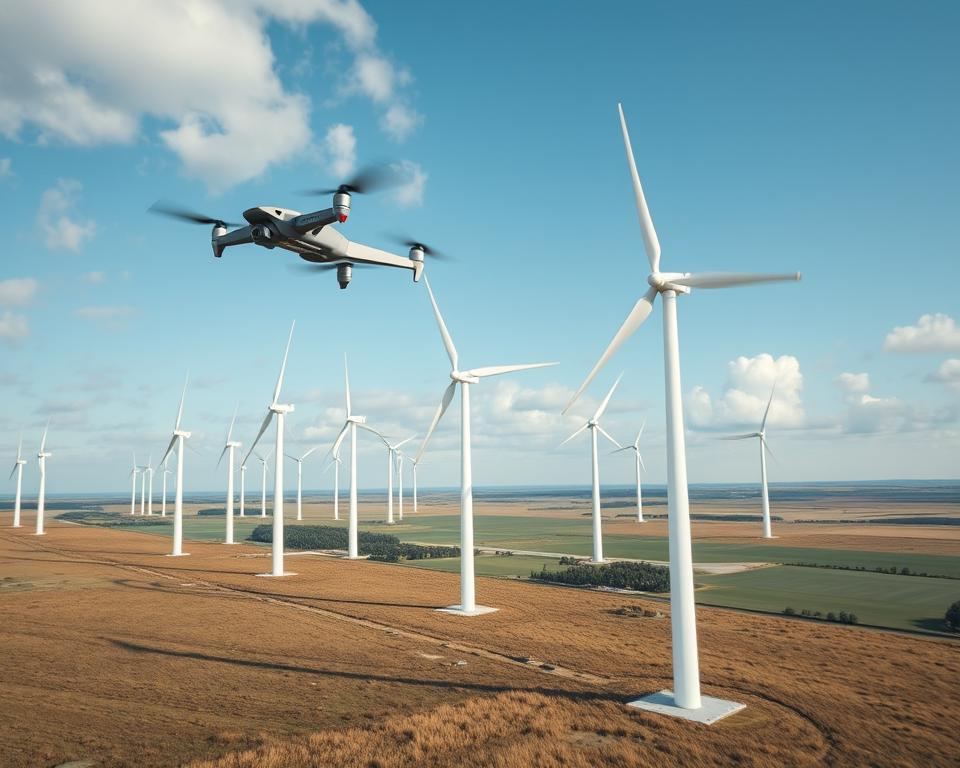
x: 180, y: 410
x: 232, y: 422
x: 650, y: 241
x: 371, y: 429
x: 442, y: 409
x: 640, y: 459
x: 640, y: 312
x: 731, y: 279
x: 283, y: 365
x: 43, y: 440
x: 606, y: 400
x: 20, y: 446
x: 404, y: 442
x: 292, y: 458
x: 309, y: 452
x: 346, y: 382
x: 766, y: 447
x: 444, y: 333
x: 222, y: 454
x: 335, y: 449
x: 263, y: 428
x: 621, y: 450
x: 585, y: 425
x: 15, y: 465
x: 604, y: 433
x: 640, y: 433
x: 496, y: 370
x: 740, y: 437
x: 769, y: 402
x: 169, y: 448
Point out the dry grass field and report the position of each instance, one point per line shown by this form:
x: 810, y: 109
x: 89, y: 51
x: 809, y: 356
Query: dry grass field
x: 116, y: 654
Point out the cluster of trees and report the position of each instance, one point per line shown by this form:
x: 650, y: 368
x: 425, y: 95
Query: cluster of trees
x: 891, y: 569
x: 843, y: 617
x: 378, y: 546
x: 99, y: 517
x: 642, y: 577
x: 211, y: 511
x: 952, y: 617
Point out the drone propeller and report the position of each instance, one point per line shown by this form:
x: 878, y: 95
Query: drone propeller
x: 184, y: 214
x: 369, y: 179
x: 409, y: 242
x: 305, y: 267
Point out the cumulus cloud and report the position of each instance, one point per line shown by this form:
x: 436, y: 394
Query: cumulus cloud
x: 340, y: 149
x: 747, y: 389
x: 948, y: 373
x: 414, y: 182
x: 205, y: 71
x: 61, y: 228
x: 932, y: 333
x: 399, y: 121
x: 853, y: 382
x: 13, y: 328
x: 17, y: 291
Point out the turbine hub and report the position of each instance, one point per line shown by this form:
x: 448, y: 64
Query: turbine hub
x: 463, y: 377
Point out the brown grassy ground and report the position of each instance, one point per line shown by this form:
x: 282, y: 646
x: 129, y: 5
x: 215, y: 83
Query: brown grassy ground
x: 116, y: 653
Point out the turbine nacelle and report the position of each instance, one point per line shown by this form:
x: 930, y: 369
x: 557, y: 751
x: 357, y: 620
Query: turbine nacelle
x: 662, y: 281
x: 181, y: 433
x: 356, y: 419
x: 464, y: 377
x: 277, y: 408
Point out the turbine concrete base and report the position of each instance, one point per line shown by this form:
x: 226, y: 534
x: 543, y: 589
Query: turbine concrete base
x: 230, y: 542
x: 711, y: 709
x: 456, y: 610
x: 182, y: 554
x: 274, y: 576
x: 40, y: 534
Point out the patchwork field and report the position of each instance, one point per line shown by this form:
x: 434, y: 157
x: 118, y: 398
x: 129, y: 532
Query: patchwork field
x: 119, y: 655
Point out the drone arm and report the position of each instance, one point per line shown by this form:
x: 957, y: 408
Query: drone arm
x: 364, y: 254
x: 237, y: 237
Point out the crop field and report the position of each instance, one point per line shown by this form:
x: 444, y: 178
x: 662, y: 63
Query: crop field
x: 119, y: 655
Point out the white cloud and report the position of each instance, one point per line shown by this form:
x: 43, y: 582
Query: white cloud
x: 103, y: 313
x: 853, y: 382
x: 932, y: 333
x: 13, y: 328
x: 17, y: 291
x: 204, y: 70
x: 94, y: 278
x: 399, y: 121
x: 410, y: 191
x: 747, y: 389
x: 55, y: 217
x: 340, y: 149
x: 948, y: 373
x: 5, y: 170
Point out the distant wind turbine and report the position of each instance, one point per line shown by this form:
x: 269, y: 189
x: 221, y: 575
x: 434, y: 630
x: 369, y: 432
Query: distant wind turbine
x: 143, y: 490
x: 401, y: 457
x: 18, y: 470
x: 150, y: 486
x: 179, y: 435
x: 133, y: 485
x: 639, y: 462
x: 593, y: 424
x: 280, y: 411
x: 414, y: 463
x: 229, y: 446
x: 300, y: 479
x: 42, y: 457
x: 686, y: 665
x: 335, y: 463
x: 263, y: 480
x: 764, y: 449
x: 468, y: 604
x: 163, y: 497
x: 243, y: 492
x: 391, y: 460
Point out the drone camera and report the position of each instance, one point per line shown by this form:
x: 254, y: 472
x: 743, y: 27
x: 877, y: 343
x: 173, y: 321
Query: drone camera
x: 344, y: 275
x: 262, y: 235
x: 341, y: 205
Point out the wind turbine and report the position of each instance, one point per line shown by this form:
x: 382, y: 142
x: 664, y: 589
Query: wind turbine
x: 400, y: 459
x: 280, y: 411
x: 229, y: 446
x: 468, y: 605
x: 143, y: 490
x: 391, y: 459
x: 263, y: 480
x: 243, y: 479
x: 639, y: 462
x: 18, y: 470
x: 764, y: 448
x: 415, y: 463
x: 593, y: 424
x: 163, y: 498
x: 686, y: 673
x: 350, y: 427
x: 335, y: 462
x: 42, y: 457
x: 149, y: 471
x: 300, y: 479
x: 133, y: 485
x: 179, y: 435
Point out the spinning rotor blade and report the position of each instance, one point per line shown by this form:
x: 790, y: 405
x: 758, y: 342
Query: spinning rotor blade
x: 444, y: 404
x: 444, y: 333
x: 763, y: 442
x: 741, y: 437
x: 621, y: 450
x: 496, y: 370
x: 404, y: 442
x: 184, y: 214
x: 767, y: 412
x: 731, y: 279
x: 640, y: 312
x: 606, y: 400
x: 232, y: 421
x: 335, y: 449
x: 263, y: 428
x: 368, y: 179
x: 408, y: 242
x: 222, y: 454
x: 650, y: 241
x: 20, y: 447
x: 346, y: 381
x: 43, y: 440
x: 573, y: 435
x: 283, y: 365
x: 309, y: 452
x: 604, y: 433
x: 169, y: 448
x: 180, y: 410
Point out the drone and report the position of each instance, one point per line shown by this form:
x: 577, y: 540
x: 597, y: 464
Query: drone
x: 312, y: 236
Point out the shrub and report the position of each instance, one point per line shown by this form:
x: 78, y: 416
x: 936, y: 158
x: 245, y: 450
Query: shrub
x: 379, y: 546
x: 789, y: 611
x: 642, y: 577
x: 831, y: 616
x: 952, y: 617
x: 211, y: 511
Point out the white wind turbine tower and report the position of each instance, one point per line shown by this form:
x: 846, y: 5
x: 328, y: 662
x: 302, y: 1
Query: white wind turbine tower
x: 149, y: 471
x: 593, y: 424
x: 335, y: 463
x: 300, y: 479
x: 414, y: 463
x: 263, y: 480
x: 391, y: 460
x: 133, y: 485
x: 177, y: 439
x: 243, y: 483
x: 401, y: 457
x: 639, y: 462
x: 18, y: 470
x: 143, y: 490
x: 350, y: 427
x: 42, y: 457
x: 280, y: 411
x: 764, y: 448
x: 686, y: 675
x: 229, y: 446
x: 163, y: 497
x: 468, y: 605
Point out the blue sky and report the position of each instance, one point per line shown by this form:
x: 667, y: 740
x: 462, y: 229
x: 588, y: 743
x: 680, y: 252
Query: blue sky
x: 781, y: 137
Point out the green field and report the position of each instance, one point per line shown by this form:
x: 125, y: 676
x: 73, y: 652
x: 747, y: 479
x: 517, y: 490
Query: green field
x: 490, y: 565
